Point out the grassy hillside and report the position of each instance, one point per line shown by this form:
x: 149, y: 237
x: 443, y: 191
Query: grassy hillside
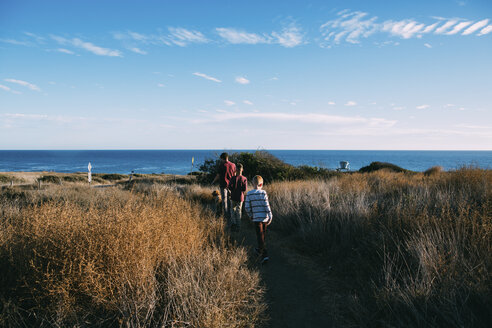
x: 396, y: 249
x: 82, y: 257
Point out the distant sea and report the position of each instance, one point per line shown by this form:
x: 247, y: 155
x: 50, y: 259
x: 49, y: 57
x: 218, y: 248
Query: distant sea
x: 179, y: 161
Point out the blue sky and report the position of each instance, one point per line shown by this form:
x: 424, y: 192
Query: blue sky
x: 246, y: 74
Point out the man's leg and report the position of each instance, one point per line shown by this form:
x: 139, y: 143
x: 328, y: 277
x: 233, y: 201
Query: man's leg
x: 226, y: 203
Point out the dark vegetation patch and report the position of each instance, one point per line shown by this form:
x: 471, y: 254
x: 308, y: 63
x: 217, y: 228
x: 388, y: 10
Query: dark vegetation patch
x: 74, y: 178
x: 376, y: 166
x: 267, y: 165
x: 50, y: 179
x: 7, y: 178
x: 110, y: 176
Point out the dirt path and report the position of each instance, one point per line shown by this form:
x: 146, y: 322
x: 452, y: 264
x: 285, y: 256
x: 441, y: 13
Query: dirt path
x: 293, y: 293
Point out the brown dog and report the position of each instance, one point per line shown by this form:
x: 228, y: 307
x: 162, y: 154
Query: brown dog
x: 217, y: 204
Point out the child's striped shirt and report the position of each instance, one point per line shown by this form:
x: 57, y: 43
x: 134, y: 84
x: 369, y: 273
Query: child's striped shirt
x: 257, y: 205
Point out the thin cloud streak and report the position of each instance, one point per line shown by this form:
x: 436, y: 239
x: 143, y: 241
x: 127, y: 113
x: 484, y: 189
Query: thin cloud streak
x: 290, y: 36
x: 485, y: 30
x: 6, y: 88
x: 306, y: 118
x: 242, y: 80
x: 475, y: 27
x: 24, y: 84
x: 182, y: 37
x: 205, y: 76
x: 88, y: 46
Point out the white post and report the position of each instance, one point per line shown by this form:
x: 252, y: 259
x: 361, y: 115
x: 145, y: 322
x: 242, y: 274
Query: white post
x: 89, y: 175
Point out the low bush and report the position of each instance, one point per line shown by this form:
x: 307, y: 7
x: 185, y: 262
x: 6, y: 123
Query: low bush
x: 376, y: 166
x: 435, y: 170
x: 111, y: 176
x: 75, y: 178
x: 7, y: 178
x: 50, y: 179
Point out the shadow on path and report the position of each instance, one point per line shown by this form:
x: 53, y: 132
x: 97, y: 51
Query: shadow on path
x: 292, y: 294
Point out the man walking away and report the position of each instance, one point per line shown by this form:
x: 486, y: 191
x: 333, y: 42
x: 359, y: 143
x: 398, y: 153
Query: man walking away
x: 226, y: 171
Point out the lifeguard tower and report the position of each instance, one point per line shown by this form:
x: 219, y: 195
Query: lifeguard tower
x: 344, y: 166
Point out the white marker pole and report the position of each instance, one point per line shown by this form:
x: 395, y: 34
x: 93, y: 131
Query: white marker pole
x: 89, y: 176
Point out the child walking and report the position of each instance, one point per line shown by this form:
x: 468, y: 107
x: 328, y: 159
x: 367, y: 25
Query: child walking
x: 237, y: 185
x: 259, y: 211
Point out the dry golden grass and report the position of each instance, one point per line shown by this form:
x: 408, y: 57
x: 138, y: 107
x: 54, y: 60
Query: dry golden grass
x: 397, y: 249
x: 82, y: 257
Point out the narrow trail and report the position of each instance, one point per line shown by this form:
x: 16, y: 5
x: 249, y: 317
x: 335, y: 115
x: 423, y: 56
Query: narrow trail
x: 293, y: 294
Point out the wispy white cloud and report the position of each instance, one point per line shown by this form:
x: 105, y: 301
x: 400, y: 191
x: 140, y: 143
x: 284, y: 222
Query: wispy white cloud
x: 424, y: 106
x: 138, y: 51
x: 88, y: 46
x: 6, y: 88
x: 15, y: 42
x: 236, y: 36
x: 353, y: 26
x: 25, y: 116
x: 205, y: 76
x: 37, y: 38
x: 229, y: 102
x: 24, y: 84
x: 475, y: 27
x: 458, y: 27
x: 405, y: 29
x: 65, y: 51
x: 242, y: 80
x: 289, y: 36
x: 427, y: 45
x: 443, y: 28
x: 160, y: 85
x: 349, y: 26
x: 247, y: 102
x: 304, y: 117
x: 350, y: 103
x: 331, y: 103
x: 182, y: 37
x: 100, y: 51
x: 178, y: 36
x: 485, y: 30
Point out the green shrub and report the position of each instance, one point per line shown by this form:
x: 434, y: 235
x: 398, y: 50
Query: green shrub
x: 435, y: 170
x: 267, y: 165
x: 50, y: 179
x: 376, y: 166
x: 7, y: 178
x: 74, y: 178
x: 113, y: 176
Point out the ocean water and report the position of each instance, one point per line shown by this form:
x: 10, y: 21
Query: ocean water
x: 179, y: 161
